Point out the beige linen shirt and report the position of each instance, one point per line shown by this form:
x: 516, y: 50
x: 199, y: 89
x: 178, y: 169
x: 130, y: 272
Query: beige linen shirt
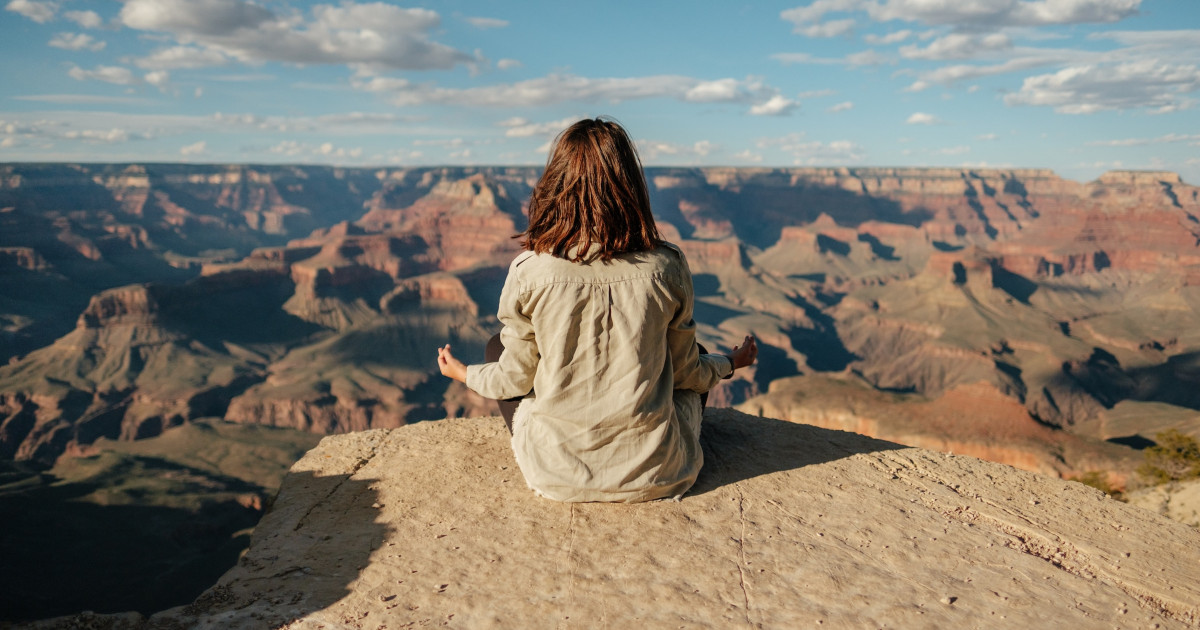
x: 605, y: 354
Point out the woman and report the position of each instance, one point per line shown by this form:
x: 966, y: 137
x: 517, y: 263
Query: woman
x: 599, y: 344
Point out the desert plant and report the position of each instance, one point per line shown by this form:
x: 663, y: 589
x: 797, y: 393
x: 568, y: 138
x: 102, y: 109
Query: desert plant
x: 1099, y: 480
x: 1175, y: 457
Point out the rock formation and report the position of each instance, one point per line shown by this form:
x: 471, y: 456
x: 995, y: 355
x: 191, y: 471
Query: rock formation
x: 788, y: 526
x: 312, y: 297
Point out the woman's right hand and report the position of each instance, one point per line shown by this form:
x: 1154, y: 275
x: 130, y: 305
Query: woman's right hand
x: 745, y: 354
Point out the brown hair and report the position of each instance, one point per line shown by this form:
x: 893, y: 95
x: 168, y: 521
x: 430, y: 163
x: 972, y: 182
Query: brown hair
x: 592, y: 192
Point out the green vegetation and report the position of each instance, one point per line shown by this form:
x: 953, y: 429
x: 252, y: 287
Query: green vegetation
x: 1176, y: 457
x: 1099, y: 480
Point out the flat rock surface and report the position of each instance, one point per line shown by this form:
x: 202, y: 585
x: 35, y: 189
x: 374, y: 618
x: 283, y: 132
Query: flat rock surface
x: 789, y: 526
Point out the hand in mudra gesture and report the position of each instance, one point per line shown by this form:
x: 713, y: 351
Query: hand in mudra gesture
x: 451, y: 366
x: 745, y: 354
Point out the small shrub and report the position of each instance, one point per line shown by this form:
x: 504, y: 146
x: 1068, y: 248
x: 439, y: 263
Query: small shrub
x: 1175, y: 457
x: 1098, y: 479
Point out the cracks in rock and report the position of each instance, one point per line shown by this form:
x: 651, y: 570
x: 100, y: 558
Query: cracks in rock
x: 1046, y: 546
x: 741, y: 563
x: 323, y: 501
x: 570, y: 553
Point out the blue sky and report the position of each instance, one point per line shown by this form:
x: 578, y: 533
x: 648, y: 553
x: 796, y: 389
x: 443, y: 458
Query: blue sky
x: 1079, y: 86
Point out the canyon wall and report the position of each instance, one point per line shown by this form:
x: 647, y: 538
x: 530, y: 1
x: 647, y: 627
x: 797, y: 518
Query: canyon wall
x: 137, y: 297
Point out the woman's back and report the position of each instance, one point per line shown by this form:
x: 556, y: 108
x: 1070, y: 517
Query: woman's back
x: 598, y: 341
x: 610, y: 343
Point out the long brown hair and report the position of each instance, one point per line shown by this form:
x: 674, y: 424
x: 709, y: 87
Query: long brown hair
x: 592, y: 192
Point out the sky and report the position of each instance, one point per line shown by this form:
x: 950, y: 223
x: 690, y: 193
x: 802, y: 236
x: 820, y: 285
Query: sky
x: 1077, y: 86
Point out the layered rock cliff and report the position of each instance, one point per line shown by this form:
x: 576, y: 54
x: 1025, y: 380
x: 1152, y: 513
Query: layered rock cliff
x: 313, y: 297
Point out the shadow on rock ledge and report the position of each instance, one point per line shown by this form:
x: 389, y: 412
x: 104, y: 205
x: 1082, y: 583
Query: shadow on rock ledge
x: 789, y: 525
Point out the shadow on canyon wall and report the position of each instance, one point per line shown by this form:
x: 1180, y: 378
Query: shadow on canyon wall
x: 64, y: 555
x: 65, y: 551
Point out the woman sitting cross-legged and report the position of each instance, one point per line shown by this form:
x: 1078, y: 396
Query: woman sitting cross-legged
x: 599, y: 345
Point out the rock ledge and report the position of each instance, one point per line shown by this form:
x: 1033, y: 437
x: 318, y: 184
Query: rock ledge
x: 789, y: 525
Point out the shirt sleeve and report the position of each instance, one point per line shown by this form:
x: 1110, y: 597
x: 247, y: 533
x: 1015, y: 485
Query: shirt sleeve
x: 512, y: 375
x: 694, y: 371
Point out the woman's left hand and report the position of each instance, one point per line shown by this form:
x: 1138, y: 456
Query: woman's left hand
x: 745, y: 354
x: 450, y: 366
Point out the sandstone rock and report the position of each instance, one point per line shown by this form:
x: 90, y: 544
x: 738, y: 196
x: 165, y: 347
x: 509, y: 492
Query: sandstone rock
x: 926, y: 281
x: 22, y: 257
x: 788, y: 526
x: 1178, y: 501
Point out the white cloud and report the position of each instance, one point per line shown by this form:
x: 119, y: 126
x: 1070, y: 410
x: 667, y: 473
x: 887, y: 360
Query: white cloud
x: 812, y: 152
x: 965, y: 72
x: 958, y: 150
x: 109, y: 136
x: 108, y: 74
x: 987, y: 136
x: 84, y: 99
x: 288, y: 147
x: 748, y: 156
x: 292, y: 148
x: 44, y: 131
x: 983, y: 15
x: 921, y: 118
x: 832, y: 28
x: 1137, y: 142
x: 714, y: 91
x: 840, y: 107
x: 400, y: 156
x: 439, y: 142
x: 61, y: 129
x: 346, y: 124
x: 788, y: 59
x: 358, y: 119
x: 817, y: 9
x: 816, y: 93
x: 194, y: 19
x: 196, y: 148
x: 775, y: 106
x: 659, y: 151
x: 40, y: 12
x: 862, y: 58
x: 76, y: 41
x: 1172, y: 39
x: 372, y: 35
x: 256, y: 77
x: 959, y: 46
x: 85, y: 19
x: 508, y: 64
x: 486, y: 22
x: 157, y: 78
x: 867, y: 58
x: 728, y: 91
x: 178, y: 57
x: 890, y: 38
x: 525, y: 129
x: 562, y: 88
x: 1092, y: 88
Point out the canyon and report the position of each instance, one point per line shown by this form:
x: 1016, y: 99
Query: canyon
x: 1005, y: 313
